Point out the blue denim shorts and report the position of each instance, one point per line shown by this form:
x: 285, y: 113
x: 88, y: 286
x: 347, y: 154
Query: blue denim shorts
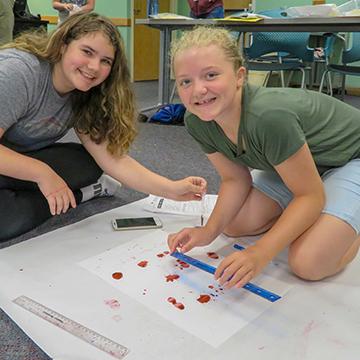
x: 342, y: 188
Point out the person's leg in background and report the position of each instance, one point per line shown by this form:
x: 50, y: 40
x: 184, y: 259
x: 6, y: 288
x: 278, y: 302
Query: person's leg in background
x: 23, y: 207
x: 217, y: 13
x: 6, y: 21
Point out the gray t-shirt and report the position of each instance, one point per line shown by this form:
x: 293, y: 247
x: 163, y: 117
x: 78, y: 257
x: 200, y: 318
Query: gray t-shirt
x: 32, y: 113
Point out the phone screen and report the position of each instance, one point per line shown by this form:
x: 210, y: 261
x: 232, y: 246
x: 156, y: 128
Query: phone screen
x: 135, y: 222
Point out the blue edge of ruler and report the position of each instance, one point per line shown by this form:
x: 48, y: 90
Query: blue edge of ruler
x: 257, y: 290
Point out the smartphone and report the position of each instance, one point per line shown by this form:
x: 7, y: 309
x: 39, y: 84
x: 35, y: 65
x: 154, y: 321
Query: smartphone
x: 136, y: 223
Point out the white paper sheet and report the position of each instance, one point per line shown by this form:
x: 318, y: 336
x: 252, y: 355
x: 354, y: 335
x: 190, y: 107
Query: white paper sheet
x: 161, y: 205
x: 215, y: 321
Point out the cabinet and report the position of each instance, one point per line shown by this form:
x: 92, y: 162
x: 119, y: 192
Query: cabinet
x: 231, y: 6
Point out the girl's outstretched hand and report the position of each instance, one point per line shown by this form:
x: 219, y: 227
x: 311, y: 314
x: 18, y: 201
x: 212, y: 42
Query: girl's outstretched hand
x: 190, y: 188
x: 240, y: 267
x: 188, y: 238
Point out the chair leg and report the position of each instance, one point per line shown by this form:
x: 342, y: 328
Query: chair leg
x: 282, y: 78
x: 282, y: 75
x: 267, y: 78
x: 343, y: 87
x: 329, y: 82
x: 311, y: 77
x: 303, y: 78
x: 291, y: 73
x: 322, y: 81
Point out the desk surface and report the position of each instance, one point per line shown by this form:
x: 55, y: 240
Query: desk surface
x: 310, y: 24
x: 318, y: 320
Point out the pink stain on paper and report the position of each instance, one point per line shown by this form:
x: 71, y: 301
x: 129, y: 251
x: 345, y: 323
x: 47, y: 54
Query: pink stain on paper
x: 309, y: 327
x: 112, y: 303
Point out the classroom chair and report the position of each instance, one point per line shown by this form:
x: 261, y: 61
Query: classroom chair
x: 280, y: 52
x: 349, y: 55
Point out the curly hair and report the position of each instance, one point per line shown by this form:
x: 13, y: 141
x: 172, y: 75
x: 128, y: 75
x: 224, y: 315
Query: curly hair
x: 202, y: 36
x: 107, y: 111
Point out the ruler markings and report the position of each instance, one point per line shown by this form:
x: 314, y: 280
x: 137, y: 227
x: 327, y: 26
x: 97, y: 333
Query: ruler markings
x: 82, y: 332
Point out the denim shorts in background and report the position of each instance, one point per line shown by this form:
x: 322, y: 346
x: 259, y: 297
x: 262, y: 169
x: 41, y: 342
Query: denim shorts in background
x: 342, y: 188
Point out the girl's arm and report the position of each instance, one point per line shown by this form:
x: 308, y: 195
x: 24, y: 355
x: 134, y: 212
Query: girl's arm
x: 132, y: 174
x: 52, y: 186
x: 300, y: 175
x: 57, y: 5
x: 234, y: 189
x: 89, y: 6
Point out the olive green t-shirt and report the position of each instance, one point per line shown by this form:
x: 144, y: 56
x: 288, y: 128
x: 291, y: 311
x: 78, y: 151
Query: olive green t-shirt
x: 276, y: 122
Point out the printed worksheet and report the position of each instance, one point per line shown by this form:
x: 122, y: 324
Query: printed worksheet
x: 192, y: 208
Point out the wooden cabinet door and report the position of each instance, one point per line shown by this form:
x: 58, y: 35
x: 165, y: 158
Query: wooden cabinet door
x: 146, y: 43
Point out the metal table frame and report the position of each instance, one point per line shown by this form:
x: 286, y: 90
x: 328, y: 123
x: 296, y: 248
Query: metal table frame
x: 310, y: 24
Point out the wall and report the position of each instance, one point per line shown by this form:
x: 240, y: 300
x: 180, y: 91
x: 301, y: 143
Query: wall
x: 111, y: 8
x: 122, y: 9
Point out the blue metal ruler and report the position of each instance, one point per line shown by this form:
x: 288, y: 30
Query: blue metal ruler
x: 257, y: 290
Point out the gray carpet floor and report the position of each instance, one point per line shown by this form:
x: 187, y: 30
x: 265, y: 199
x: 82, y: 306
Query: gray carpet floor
x: 167, y: 150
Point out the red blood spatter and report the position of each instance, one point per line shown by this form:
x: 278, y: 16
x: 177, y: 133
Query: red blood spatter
x: 183, y: 264
x: 166, y: 252
x: 160, y: 255
x: 143, y: 263
x: 171, y: 277
x: 171, y: 300
x: 211, y: 286
x: 212, y: 255
x: 203, y: 299
x: 180, y: 306
x: 117, y: 275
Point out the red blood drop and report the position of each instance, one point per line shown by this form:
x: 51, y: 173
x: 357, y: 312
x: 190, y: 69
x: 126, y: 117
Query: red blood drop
x: 212, y: 255
x: 180, y: 306
x: 183, y: 264
x: 143, y: 263
x: 172, y: 277
x: 171, y: 300
x: 203, y: 299
x: 117, y: 275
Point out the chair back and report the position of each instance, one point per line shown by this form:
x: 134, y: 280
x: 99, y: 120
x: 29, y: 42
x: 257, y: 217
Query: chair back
x: 293, y: 43
x: 352, y: 54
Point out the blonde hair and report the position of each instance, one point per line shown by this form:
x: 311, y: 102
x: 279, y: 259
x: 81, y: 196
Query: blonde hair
x: 202, y: 36
x: 106, y: 112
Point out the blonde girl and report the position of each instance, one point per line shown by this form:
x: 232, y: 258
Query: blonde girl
x: 304, y: 193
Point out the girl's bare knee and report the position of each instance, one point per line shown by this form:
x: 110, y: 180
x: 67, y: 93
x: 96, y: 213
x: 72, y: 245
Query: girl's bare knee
x: 250, y: 228
x: 305, y: 265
